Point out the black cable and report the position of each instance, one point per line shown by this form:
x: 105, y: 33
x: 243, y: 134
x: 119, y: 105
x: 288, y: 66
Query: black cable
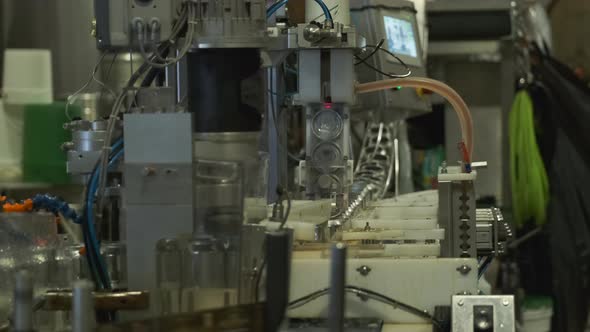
x: 281, y: 193
x: 395, y: 303
x: 145, y: 67
x: 274, y: 119
x: 105, y: 80
x: 381, y: 7
x: 380, y: 48
x: 287, y: 212
x: 375, y: 50
x: 89, y: 257
x: 363, y: 292
x: 484, y: 266
x: 258, y: 279
x: 154, y: 72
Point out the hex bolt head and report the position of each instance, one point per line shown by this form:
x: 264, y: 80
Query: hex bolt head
x: 364, y: 270
x: 464, y: 269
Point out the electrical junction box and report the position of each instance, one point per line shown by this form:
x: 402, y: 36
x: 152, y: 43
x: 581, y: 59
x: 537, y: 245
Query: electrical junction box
x: 115, y: 21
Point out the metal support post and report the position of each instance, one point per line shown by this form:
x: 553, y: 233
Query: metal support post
x: 83, y: 319
x: 23, y: 302
x: 337, y: 288
x: 276, y: 133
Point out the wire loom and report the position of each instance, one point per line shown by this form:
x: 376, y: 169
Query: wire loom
x: 366, y: 294
x: 379, y: 47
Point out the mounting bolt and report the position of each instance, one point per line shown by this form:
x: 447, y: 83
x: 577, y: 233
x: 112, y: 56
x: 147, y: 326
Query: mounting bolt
x: 364, y: 270
x: 170, y: 171
x: 464, y: 269
x: 93, y: 28
x: 505, y: 302
x: 460, y: 303
x: 148, y: 171
x: 67, y: 146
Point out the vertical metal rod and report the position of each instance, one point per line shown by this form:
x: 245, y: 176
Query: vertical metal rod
x: 23, y: 302
x: 83, y: 316
x: 396, y: 166
x: 277, y: 142
x: 337, y: 285
x: 396, y: 156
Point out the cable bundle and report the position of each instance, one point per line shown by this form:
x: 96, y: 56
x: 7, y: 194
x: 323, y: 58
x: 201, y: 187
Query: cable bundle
x: 530, y: 184
x: 96, y: 262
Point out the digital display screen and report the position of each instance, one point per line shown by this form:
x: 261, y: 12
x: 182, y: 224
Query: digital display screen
x: 400, y: 36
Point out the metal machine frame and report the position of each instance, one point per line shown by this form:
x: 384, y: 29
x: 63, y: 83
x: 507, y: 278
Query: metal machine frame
x: 196, y: 237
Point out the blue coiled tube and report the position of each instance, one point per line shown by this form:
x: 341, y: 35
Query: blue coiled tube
x: 273, y: 9
x: 55, y: 205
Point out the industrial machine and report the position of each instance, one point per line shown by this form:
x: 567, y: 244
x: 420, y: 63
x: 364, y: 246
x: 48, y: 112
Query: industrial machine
x: 187, y: 221
x: 393, y: 26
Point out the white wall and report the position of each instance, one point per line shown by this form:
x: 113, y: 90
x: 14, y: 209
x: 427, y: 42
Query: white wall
x: 63, y: 26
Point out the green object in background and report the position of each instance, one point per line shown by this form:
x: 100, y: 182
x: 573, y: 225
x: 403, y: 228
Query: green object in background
x: 425, y: 164
x: 43, y: 134
x: 433, y: 158
x: 530, y: 184
x: 535, y: 302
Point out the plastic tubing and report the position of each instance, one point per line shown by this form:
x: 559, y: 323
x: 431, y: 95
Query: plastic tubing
x: 438, y: 87
x: 273, y: 8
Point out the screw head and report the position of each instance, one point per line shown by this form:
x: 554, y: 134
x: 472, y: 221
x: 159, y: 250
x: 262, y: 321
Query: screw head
x: 148, y: 171
x: 464, y: 269
x: 311, y: 33
x: 460, y: 303
x: 364, y: 270
x: 505, y: 302
x: 93, y: 28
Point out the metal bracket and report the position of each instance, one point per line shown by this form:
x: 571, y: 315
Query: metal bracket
x: 483, y: 312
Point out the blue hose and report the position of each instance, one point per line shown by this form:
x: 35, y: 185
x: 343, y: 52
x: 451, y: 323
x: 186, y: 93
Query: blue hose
x: 118, y: 144
x: 55, y: 205
x: 273, y: 8
x: 92, y: 238
x: 325, y: 9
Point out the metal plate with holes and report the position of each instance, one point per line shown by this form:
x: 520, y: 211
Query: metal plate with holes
x: 486, y: 312
x: 421, y: 282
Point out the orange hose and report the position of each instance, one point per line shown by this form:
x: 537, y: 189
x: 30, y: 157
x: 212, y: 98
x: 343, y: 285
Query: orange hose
x: 25, y: 206
x: 459, y: 105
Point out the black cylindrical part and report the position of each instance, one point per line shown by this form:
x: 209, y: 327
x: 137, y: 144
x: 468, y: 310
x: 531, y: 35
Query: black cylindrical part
x: 225, y: 90
x: 278, y: 271
x: 337, y: 288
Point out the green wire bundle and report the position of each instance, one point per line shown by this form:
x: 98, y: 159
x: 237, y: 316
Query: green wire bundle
x: 530, y: 185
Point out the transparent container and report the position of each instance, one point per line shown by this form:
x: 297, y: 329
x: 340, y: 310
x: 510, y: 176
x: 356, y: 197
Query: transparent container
x: 115, y: 258
x: 209, y: 275
x: 169, y: 275
x: 27, y: 241
x: 219, y: 198
x: 69, y: 266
